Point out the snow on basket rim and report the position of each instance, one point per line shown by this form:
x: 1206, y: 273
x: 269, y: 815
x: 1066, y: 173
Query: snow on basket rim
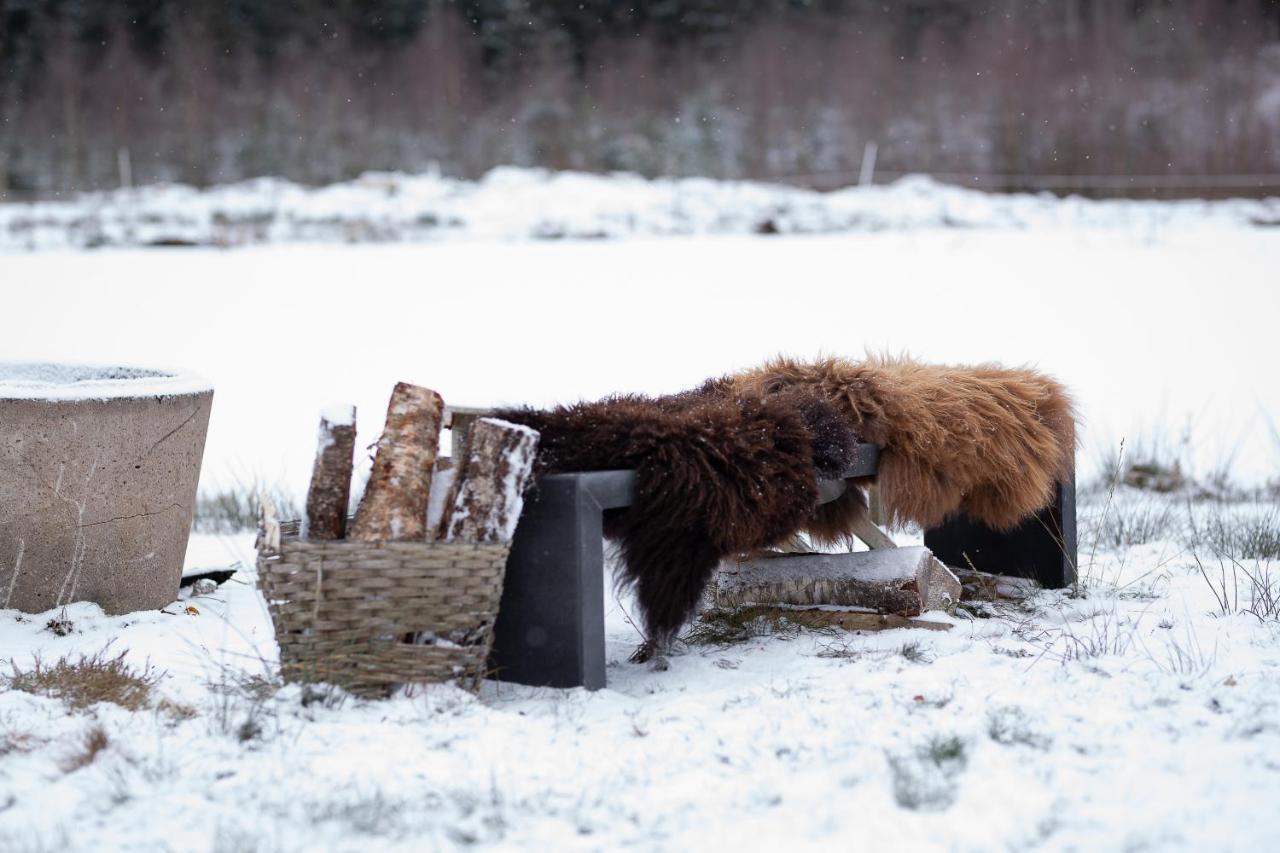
x: 58, y: 381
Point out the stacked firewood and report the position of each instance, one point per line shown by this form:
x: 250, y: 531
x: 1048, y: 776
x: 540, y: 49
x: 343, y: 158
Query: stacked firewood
x: 413, y: 494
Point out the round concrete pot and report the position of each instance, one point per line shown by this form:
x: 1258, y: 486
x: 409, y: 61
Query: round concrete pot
x: 98, y: 473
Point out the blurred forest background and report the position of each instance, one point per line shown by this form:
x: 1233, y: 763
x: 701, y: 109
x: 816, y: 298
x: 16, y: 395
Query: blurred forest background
x: 1005, y: 94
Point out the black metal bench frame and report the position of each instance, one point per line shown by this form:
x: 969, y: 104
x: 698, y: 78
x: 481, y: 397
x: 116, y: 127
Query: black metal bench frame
x: 550, y: 626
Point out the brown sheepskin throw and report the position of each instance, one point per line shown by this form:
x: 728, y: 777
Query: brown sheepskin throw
x: 716, y: 475
x: 987, y: 441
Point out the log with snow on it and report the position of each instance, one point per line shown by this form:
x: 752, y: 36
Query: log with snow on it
x: 489, y: 482
x: 330, y: 491
x: 394, y: 506
x: 900, y: 581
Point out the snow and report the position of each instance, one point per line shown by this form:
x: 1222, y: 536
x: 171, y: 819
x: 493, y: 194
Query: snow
x: 1134, y: 715
x: 441, y: 485
x: 1154, y: 330
x: 515, y: 204
x: 1005, y: 732
x: 55, y: 381
x: 339, y: 414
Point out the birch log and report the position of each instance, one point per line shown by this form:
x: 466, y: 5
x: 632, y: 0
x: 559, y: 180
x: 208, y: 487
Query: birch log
x: 848, y: 620
x: 394, y: 506
x: 330, y: 490
x: 489, y: 483
x: 901, y: 581
x: 980, y: 586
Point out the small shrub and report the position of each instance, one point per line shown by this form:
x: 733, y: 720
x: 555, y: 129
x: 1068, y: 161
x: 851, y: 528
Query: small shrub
x: 915, y: 653
x: 1242, y: 534
x: 722, y: 628
x: 1126, y: 523
x: 60, y: 626
x: 235, y: 509
x: 1010, y: 727
x: 91, y: 679
x: 175, y: 711
x: 1105, y: 633
x: 924, y: 780
x: 94, y: 741
x: 945, y: 751
x: 13, y: 739
x: 241, y: 704
x: 1228, y: 576
x: 1155, y: 476
x: 374, y: 815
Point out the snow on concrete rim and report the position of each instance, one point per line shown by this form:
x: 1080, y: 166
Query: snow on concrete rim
x: 23, y: 380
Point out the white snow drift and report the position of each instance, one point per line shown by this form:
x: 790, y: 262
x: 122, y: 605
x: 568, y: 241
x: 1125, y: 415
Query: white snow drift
x: 514, y: 203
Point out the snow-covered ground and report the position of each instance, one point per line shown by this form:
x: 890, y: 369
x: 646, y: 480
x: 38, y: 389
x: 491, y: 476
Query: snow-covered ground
x: 1132, y: 718
x: 530, y: 203
x: 1158, y: 331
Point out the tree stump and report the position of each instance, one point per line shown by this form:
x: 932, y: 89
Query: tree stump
x: 394, y: 506
x: 330, y: 490
x: 489, y: 483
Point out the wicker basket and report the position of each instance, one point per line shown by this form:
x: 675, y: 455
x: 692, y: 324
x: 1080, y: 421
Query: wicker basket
x: 346, y: 612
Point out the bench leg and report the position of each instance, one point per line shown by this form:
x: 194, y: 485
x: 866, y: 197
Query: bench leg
x: 550, y: 626
x: 1042, y: 547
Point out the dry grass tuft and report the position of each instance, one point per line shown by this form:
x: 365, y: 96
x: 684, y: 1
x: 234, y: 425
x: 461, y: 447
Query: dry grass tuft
x: 84, y: 682
x: 93, y: 742
x: 15, y: 740
x: 236, y: 509
x: 728, y: 627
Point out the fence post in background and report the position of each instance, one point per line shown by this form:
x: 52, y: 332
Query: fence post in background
x: 867, y: 175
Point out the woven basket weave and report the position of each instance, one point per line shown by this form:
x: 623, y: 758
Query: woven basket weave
x: 345, y: 612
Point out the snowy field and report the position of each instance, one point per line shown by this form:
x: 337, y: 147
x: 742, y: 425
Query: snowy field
x: 1133, y: 714
x: 1132, y: 717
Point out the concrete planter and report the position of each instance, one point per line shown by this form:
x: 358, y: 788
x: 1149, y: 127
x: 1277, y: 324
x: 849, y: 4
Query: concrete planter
x: 98, y: 473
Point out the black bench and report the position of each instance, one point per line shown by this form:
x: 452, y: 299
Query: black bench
x: 550, y: 626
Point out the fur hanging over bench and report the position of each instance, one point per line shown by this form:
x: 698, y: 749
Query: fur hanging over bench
x: 987, y: 441
x: 731, y: 467
x: 715, y: 476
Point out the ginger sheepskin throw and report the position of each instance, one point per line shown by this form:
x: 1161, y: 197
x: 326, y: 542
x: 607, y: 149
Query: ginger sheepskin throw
x: 987, y: 441
x: 732, y: 467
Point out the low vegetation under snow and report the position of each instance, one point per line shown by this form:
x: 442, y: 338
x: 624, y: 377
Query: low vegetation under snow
x: 1139, y: 711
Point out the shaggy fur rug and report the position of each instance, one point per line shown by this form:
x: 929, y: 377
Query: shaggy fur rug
x: 732, y: 466
x: 987, y: 441
x: 716, y: 475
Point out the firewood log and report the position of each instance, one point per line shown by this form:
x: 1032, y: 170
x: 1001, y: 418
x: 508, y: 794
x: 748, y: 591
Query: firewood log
x: 902, y: 581
x: 848, y: 620
x: 330, y: 489
x: 394, y: 506
x: 981, y: 586
x: 489, y: 483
